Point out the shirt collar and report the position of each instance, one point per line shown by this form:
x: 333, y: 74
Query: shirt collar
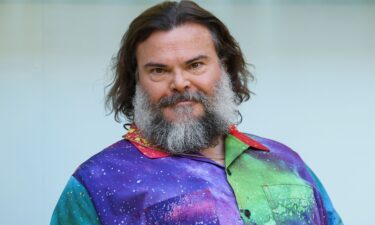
x: 235, y: 144
x: 146, y: 148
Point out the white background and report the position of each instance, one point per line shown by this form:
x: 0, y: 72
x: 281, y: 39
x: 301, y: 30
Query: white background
x: 314, y: 63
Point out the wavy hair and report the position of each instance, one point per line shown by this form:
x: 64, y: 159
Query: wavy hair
x: 164, y: 17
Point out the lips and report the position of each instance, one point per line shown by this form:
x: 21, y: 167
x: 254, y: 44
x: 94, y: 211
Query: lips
x: 184, y: 102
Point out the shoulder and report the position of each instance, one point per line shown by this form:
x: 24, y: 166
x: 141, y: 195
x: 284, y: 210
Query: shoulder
x: 279, y: 150
x: 107, y: 162
x: 120, y: 150
x: 282, y: 158
x: 270, y: 143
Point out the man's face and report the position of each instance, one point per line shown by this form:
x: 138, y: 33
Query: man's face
x: 184, y: 100
x: 183, y: 59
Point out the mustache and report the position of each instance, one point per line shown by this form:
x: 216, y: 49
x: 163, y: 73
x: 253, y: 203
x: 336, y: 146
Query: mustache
x: 184, y: 96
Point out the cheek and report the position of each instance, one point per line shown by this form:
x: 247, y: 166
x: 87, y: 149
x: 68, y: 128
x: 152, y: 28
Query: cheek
x: 208, y: 83
x: 155, y: 91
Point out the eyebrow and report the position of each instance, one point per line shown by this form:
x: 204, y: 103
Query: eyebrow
x: 199, y: 57
x: 160, y: 65
x: 152, y: 64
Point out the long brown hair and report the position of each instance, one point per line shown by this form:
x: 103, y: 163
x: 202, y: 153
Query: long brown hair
x: 165, y: 16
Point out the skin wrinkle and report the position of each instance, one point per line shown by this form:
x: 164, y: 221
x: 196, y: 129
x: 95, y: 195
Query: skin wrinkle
x: 188, y: 134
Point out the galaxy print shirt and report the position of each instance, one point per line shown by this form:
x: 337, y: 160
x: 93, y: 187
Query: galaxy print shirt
x: 132, y: 182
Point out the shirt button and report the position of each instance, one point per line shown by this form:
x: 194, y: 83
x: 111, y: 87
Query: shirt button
x: 246, y: 212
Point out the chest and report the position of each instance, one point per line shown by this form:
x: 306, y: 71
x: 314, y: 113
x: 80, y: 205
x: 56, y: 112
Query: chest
x: 167, y: 192
x: 273, y: 192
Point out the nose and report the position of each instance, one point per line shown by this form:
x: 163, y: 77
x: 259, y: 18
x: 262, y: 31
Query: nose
x: 180, y: 82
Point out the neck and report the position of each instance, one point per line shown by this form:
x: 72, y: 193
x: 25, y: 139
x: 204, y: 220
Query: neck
x: 217, y: 152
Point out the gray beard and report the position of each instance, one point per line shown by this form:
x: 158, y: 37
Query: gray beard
x: 188, y: 134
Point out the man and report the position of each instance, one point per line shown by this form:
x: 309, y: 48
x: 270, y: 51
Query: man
x: 180, y: 76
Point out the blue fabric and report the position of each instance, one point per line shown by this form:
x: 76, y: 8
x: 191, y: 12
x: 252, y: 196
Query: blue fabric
x: 333, y: 216
x: 75, y: 206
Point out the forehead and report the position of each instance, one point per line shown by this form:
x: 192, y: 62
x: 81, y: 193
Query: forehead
x: 181, y: 43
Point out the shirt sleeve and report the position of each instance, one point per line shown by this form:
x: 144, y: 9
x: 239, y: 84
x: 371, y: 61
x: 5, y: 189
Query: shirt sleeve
x: 333, y: 216
x: 75, y: 206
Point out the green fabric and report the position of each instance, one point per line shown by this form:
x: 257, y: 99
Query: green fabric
x: 262, y: 190
x: 234, y: 147
x: 75, y: 206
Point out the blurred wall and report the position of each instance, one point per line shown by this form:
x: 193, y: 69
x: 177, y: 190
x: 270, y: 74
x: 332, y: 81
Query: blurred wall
x: 315, y: 88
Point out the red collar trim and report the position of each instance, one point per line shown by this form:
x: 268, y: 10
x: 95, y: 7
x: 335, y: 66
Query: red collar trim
x: 246, y: 139
x: 134, y: 136
x: 146, y: 148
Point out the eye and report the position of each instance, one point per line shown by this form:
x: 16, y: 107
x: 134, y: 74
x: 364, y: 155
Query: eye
x: 157, y: 71
x: 196, y: 65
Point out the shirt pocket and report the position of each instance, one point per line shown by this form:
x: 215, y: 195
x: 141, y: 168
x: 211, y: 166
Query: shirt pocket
x: 292, y: 204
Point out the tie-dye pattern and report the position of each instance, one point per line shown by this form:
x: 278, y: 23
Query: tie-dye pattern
x: 263, y: 182
x: 276, y: 187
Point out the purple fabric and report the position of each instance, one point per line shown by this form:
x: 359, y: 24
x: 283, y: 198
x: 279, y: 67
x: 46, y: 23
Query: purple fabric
x: 126, y: 187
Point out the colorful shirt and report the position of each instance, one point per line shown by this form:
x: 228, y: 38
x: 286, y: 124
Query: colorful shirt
x: 132, y: 182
